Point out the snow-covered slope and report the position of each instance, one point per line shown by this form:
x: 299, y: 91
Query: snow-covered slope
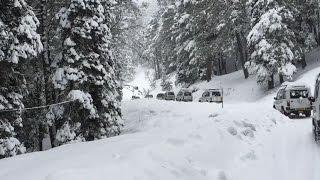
x: 246, y: 139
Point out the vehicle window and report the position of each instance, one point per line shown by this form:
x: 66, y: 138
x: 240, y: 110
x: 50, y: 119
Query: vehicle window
x: 316, y: 92
x: 206, y: 94
x: 187, y: 94
x: 180, y: 94
x: 170, y: 93
x: 295, y: 94
x: 216, y: 94
x: 281, y: 94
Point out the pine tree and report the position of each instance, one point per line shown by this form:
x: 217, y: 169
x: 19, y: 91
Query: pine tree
x: 239, y: 22
x: 126, y: 43
x: 18, y: 41
x: 272, y: 41
x: 86, y: 73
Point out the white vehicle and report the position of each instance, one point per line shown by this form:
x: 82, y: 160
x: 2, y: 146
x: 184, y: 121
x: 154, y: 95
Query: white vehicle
x: 293, y: 100
x: 212, y: 95
x: 316, y: 110
x: 184, y: 95
x: 169, y: 96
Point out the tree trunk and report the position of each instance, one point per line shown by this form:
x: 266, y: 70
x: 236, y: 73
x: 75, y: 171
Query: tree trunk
x: 209, y: 70
x: 303, y: 61
x: 271, y: 82
x: 46, y: 97
x: 281, y: 78
x: 158, y: 74
x: 242, y: 53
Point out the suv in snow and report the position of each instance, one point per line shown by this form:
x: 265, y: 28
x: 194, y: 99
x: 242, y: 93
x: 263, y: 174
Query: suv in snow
x: 135, y: 97
x: 184, y: 95
x: 293, y: 99
x: 160, y: 96
x: 149, y: 96
x: 169, y: 96
x: 212, y: 95
x: 316, y: 110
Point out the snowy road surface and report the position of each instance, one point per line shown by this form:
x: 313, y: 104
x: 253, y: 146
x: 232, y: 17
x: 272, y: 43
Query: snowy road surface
x: 289, y: 153
x: 189, y: 141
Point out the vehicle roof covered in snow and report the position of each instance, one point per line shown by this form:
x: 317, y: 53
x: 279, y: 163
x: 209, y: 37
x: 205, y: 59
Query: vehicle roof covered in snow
x: 295, y: 86
x: 214, y: 90
x: 185, y: 90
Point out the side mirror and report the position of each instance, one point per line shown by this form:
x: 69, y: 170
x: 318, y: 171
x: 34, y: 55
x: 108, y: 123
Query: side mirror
x: 312, y: 99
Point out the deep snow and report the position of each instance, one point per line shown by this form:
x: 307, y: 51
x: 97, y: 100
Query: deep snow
x: 247, y: 139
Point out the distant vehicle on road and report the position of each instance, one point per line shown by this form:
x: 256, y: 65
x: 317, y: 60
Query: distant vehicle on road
x: 169, y: 96
x: 293, y: 100
x: 149, y: 96
x: 316, y: 110
x: 160, y: 96
x: 135, y: 97
x: 212, y: 95
x: 184, y: 95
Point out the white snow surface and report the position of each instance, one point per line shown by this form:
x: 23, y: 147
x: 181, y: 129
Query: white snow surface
x: 247, y: 139
x: 141, y: 81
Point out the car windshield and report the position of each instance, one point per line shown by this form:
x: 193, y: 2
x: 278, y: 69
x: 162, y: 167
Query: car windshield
x: 216, y: 93
x: 187, y: 93
x: 170, y: 93
x: 295, y: 94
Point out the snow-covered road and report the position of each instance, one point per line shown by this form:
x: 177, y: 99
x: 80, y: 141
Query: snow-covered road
x: 288, y: 153
x: 190, y: 141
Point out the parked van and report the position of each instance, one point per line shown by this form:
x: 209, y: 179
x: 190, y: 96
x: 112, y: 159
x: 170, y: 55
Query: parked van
x: 135, y: 97
x: 293, y: 100
x: 316, y: 110
x: 148, y: 96
x: 169, y: 96
x: 160, y: 96
x: 184, y: 95
x: 212, y: 95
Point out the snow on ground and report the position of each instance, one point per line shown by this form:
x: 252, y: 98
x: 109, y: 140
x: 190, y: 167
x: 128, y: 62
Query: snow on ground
x: 141, y: 81
x: 165, y: 140
x: 246, y: 139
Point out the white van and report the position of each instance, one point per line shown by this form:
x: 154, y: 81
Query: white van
x: 184, y: 95
x: 316, y: 110
x: 169, y: 96
x: 212, y: 95
x: 293, y: 100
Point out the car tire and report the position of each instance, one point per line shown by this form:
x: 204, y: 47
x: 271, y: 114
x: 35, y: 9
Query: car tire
x: 285, y: 112
x: 308, y: 113
x: 316, y: 132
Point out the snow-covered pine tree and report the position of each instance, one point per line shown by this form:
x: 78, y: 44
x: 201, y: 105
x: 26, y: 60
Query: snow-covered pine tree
x: 306, y: 27
x: 18, y: 41
x: 86, y: 73
x: 188, y: 67
x: 271, y: 41
x: 126, y: 44
x: 239, y: 24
